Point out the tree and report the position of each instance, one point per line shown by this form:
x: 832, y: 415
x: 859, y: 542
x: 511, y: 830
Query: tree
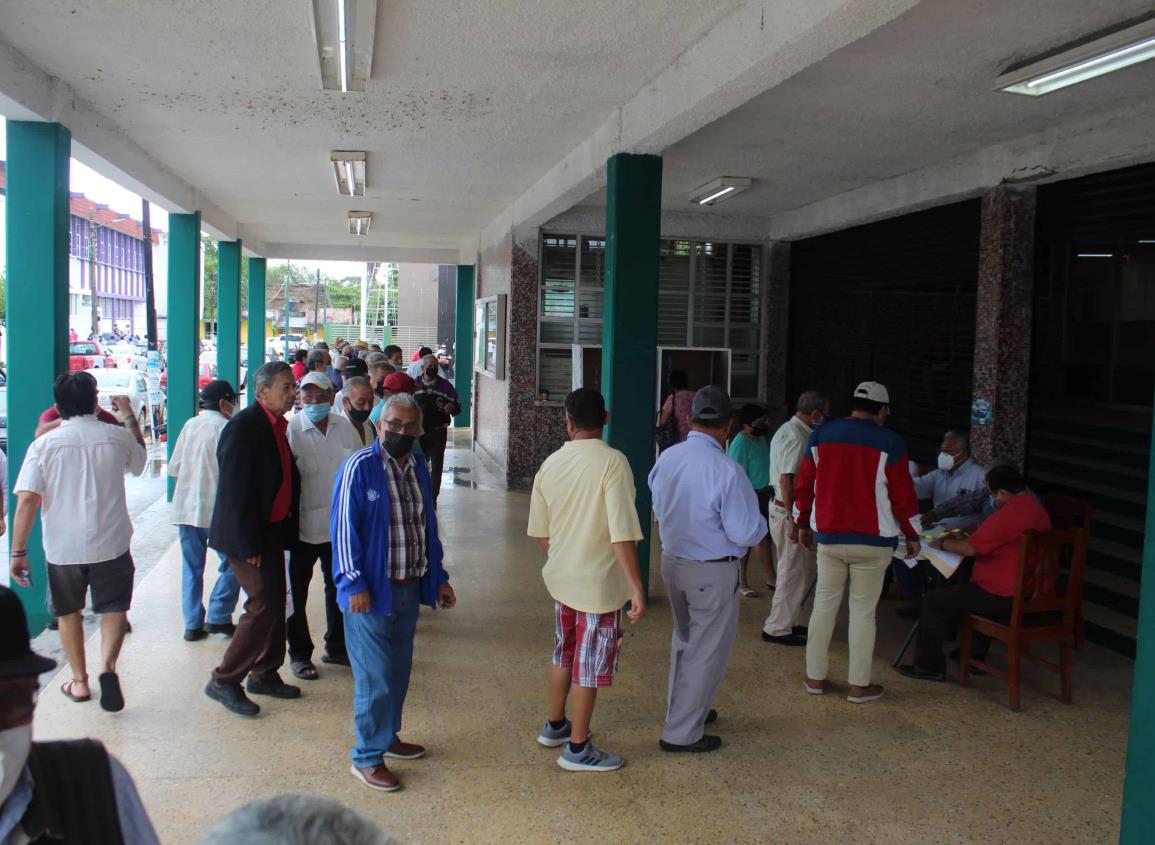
x: 212, y: 270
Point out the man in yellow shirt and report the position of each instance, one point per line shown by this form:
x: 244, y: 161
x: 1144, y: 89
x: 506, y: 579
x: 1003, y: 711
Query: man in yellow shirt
x: 583, y: 514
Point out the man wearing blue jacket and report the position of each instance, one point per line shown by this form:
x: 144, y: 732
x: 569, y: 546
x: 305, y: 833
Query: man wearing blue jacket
x: 386, y: 562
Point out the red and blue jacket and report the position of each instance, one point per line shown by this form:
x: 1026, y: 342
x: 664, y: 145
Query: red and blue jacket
x: 854, y: 485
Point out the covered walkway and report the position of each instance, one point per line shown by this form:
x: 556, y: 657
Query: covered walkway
x: 928, y: 763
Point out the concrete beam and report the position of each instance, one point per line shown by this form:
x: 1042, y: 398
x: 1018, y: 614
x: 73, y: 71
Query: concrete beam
x: 589, y: 219
x: 1093, y: 144
x: 761, y: 45
x: 357, y: 252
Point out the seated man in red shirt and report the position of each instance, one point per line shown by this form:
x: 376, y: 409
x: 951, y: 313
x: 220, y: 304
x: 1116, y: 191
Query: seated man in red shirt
x: 996, y: 548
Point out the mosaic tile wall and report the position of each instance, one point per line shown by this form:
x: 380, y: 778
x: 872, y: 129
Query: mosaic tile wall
x: 1003, y: 325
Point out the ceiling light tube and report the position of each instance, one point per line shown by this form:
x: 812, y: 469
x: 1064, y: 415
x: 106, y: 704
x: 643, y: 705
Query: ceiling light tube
x: 1094, y: 255
x: 349, y: 171
x: 344, y: 32
x: 719, y: 189
x: 1104, y: 55
x: 359, y: 222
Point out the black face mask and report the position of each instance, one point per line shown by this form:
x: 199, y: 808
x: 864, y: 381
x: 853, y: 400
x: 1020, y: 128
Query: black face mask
x: 358, y: 415
x: 431, y: 372
x: 398, y: 445
x: 380, y: 390
x: 759, y: 430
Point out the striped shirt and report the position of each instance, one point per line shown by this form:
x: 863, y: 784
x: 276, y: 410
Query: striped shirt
x: 407, y: 521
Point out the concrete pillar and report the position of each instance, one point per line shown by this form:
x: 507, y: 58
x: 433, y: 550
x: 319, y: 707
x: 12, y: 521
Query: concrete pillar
x: 463, y: 343
x: 257, y: 272
x: 37, y: 290
x: 183, y: 353
x: 1138, y: 822
x: 1003, y: 325
x: 776, y: 328
x: 229, y: 311
x: 630, y: 320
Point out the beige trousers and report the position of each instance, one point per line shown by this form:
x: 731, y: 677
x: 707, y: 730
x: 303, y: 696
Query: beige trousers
x: 865, y: 567
x: 795, y: 574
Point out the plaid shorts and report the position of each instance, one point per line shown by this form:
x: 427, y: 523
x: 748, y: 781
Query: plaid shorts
x: 589, y: 643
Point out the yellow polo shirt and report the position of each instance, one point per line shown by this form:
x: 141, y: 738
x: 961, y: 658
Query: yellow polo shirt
x: 583, y: 500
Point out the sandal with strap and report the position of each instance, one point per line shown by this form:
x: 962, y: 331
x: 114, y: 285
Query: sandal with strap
x: 66, y: 688
x: 748, y: 592
x: 304, y: 669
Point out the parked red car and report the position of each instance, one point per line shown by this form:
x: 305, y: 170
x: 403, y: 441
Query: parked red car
x: 87, y: 355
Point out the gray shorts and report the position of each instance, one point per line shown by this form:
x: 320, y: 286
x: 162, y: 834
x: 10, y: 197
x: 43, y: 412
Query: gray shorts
x: 110, y: 580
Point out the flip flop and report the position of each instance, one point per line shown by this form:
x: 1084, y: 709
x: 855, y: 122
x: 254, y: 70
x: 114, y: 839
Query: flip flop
x: 302, y: 668
x: 748, y: 592
x: 66, y: 688
x: 111, y: 697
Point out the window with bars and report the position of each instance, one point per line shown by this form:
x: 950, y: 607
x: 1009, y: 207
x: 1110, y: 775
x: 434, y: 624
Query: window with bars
x: 708, y: 296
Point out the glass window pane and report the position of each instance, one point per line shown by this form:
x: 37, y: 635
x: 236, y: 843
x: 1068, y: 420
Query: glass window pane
x: 555, y: 373
x: 558, y: 274
x: 589, y: 332
x: 593, y: 262
x: 553, y: 331
x: 710, y: 268
x: 590, y: 302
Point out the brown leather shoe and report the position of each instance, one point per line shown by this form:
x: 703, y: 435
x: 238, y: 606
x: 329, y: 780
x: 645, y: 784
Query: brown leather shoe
x: 377, y: 777
x: 405, y: 750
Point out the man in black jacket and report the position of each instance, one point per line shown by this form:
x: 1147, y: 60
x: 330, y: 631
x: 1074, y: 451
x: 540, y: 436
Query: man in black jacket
x: 254, y: 521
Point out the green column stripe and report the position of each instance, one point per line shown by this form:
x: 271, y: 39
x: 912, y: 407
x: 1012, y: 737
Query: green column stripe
x: 229, y: 311
x: 630, y: 322
x: 463, y: 343
x: 183, y: 349
x: 257, y: 268
x: 37, y: 301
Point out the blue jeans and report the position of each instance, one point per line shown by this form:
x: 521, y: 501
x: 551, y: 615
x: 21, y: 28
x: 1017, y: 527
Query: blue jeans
x: 381, y: 653
x: 194, y: 544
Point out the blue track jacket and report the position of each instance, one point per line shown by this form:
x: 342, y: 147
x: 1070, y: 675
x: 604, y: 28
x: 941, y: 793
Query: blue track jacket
x: 360, y: 526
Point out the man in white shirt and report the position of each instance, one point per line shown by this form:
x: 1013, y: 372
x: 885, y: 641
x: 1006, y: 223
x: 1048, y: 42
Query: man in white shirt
x: 956, y: 475
x: 355, y: 402
x: 320, y: 441
x: 194, y: 466
x: 75, y: 476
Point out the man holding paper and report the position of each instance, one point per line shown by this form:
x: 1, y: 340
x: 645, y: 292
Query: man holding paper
x: 995, y: 547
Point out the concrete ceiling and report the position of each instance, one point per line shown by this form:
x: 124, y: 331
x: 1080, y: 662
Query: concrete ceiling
x: 905, y: 97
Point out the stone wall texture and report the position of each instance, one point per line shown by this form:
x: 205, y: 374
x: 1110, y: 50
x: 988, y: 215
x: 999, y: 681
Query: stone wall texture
x: 1003, y: 324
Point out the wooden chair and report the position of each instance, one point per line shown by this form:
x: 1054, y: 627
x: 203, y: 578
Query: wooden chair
x: 1069, y: 512
x: 1047, y: 593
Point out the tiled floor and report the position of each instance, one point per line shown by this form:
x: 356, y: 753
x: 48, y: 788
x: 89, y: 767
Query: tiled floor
x: 930, y: 763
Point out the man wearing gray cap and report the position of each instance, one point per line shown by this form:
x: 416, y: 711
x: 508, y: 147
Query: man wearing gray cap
x: 708, y: 517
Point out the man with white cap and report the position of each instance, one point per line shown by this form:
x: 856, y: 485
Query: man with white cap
x: 320, y: 440
x: 855, y: 496
x: 708, y: 516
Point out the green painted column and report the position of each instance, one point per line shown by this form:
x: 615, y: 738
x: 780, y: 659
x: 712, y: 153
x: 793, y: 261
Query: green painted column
x: 1138, y: 823
x: 183, y: 350
x: 229, y: 311
x: 37, y: 302
x: 257, y: 271
x: 463, y: 344
x: 630, y: 320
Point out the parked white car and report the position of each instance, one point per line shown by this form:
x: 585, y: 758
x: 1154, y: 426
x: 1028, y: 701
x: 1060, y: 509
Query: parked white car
x: 127, y: 356
x: 275, y: 348
x: 123, y: 382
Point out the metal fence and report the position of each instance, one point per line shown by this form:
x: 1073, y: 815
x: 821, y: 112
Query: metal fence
x: 409, y: 338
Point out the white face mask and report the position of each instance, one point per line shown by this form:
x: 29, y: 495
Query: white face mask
x: 15, y: 743
x: 945, y: 462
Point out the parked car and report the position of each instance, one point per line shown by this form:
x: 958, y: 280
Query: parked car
x: 275, y: 348
x: 123, y: 382
x: 88, y: 355
x: 127, y: 355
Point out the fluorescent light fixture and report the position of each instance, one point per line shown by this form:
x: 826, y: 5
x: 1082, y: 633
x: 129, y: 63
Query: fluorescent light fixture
x: 1147, y: 242
x: 359, y: 222
x: 719, y: 189
x: 349, y: 170
x: 1094, y: 255
x: 343, y: 33
x: 1120, y: 49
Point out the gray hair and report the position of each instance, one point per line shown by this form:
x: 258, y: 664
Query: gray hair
x: 430, y: 355
x: 963, y: 437
x: 400, y: 400
x: 381, y: 365
x: 356, y: 381
x: 811, y: 401
x: 339, y: 362
x: 295, y: 820
x: 320, y: 344
x: 317, y: 356
x: 267, y: 374
x: 373, y: 357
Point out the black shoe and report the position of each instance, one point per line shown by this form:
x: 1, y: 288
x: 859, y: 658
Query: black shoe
x: 335, y: 659
x: 784, y: 639
x: 226, y: 628
x: 912, y: 670
x: 191, y: 635
x: 233, y: 698
x: 708, y: 742
x: 712, y: 716
x: 909, y: 611
x: 275, y: 687
x: 800, y: 630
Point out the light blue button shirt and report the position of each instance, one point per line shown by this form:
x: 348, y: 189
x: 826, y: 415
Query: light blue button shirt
x: 941, y: 487
x: 704, y: 503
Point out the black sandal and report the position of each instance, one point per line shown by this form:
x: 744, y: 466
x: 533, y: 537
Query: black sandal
x: 66, y: 688
x: 302, y: 668
x: 111, y: 696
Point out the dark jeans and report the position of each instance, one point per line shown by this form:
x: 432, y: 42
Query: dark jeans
x: 301, y: 561
x: 258, y: 646
x: 941, y: 611
x: 433, y: 445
